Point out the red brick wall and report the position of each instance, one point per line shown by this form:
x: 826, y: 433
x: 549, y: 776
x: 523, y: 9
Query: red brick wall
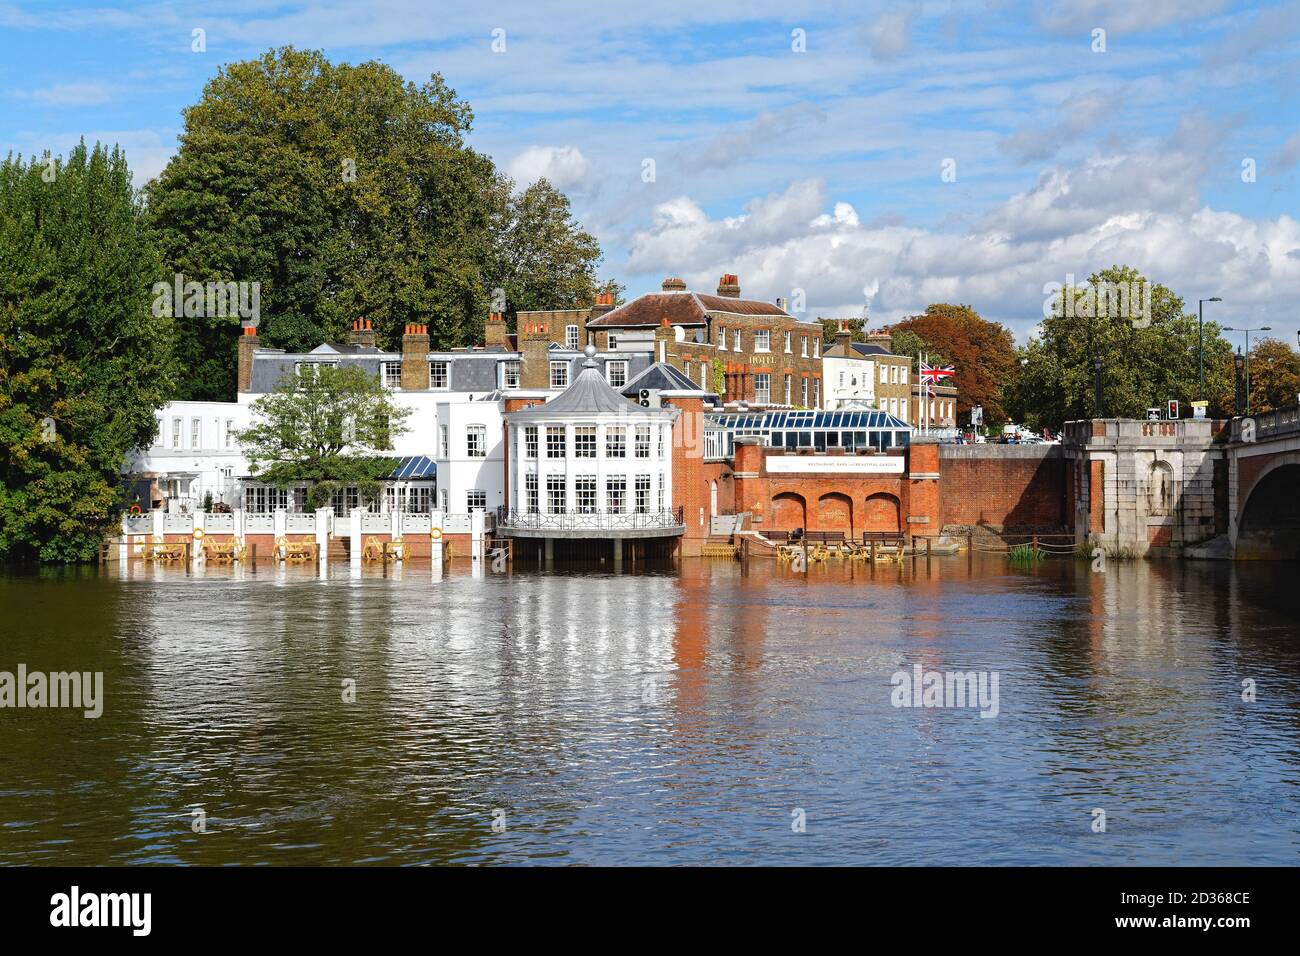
x: 1097, y: 497
x: 1004, y: 486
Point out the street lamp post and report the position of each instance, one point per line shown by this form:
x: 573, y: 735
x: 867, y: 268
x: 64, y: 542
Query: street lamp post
x: 1200, y: 351
x: 1262, y: 328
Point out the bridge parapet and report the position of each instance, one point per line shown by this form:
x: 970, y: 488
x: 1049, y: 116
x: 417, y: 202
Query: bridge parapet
x: 1276, y: 424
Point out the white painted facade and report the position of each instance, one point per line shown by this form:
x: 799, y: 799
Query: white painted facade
x: 848, y: 380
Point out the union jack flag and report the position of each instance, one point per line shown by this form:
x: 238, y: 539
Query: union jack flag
x: 934, y: 374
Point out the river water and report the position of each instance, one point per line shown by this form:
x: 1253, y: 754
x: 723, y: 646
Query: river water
x: 704, y: 713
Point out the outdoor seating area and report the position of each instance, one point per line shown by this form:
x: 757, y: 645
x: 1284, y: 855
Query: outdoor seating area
x: 376, y: 550
x: 220, y: 552
x: 167, y: 551
x: 287, y: 550
x: 822, y: 545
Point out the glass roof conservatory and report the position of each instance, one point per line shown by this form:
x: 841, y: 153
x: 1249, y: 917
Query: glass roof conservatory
x: 850, y: 429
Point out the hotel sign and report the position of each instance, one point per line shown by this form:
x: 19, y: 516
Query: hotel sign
x: 845, y: 464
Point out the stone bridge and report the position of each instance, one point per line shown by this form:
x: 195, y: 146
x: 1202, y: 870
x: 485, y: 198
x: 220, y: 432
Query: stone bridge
x: 1199, y: 488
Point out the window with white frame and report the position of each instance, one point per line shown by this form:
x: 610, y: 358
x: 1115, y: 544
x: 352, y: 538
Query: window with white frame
x: 615, y: 441
x: 661, y: 491
x: 559, y: 375
x: 304, y: 369
x: 902, y: 374
x: 611, y: 341
x: 817, y: 393
x: 476, y: 441
x: 902, y: 409
x: 196, y: 433
x: 392, y: 375
x: 763, y: 388
x: 722, y: 339
x: 438, y: 374
x: 817, y: 348
x: 735, y: 340
x: 841, y: 378
x: 176, y: 433
x: 555, y: 503
x: 803, y: 344
x: 229, y: 437
x: 571, y: 337
x: 584, y: 494
x: 616, y: 373
x: 555, y: 441
x: 445, y: 497
x: 803, y: 387
x: 642, y: 441
x: 762, y: 340
x: 584, y: 441
x: 530, y: 441
x: 704, y: 375
x: 530, y: 493
x: 445, y: 433
x: 510, y: 374
x: 642, y: 493
x: 661, y: 440
x: 476, y: 500
x: 788, y: 348
x: 787, y: 389
x: 615, y: 493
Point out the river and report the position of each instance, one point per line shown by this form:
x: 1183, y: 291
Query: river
x: 704, y: 713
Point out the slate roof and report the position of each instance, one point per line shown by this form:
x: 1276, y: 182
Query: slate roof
x: 661, y: 376
x: 589, y: 394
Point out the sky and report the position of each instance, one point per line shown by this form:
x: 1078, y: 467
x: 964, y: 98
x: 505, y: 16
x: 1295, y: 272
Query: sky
x: 846, y: 156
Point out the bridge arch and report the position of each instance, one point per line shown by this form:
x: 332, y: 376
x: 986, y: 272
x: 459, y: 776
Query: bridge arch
x: 1268, y: 526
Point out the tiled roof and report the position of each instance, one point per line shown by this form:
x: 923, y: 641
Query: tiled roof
x: 663, y: 377
x: 680, y: 308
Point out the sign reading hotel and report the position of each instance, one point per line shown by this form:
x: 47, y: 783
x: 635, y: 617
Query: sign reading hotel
x: 854, y: 464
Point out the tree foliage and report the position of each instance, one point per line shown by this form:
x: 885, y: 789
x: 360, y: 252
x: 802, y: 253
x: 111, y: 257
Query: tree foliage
x: 330, y: 424
x: 347, y: 192
x: 84, y: 362
x: 1274, y: 375
x: 982, y: 352
x: 1142, y: 366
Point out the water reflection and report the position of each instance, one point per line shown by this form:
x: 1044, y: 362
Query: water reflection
x: 677, y: 715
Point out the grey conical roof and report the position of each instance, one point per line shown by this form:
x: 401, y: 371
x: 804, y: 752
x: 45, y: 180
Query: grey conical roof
x: 589, y: 394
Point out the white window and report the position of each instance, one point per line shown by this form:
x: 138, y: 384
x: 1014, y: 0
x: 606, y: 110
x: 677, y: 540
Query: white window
x: 704, y: 375
x: 787, y: 343
x: 555, y: 441
x: 722, y: 339
x: 883, y: 378
x: 571, y: 337
x: 584, y: 441
x: 817, y: 348
x: 476, y: 441
x: 616, y: 373
x: 804, y: 389
x: 555, y: 503
x: 615, y: 494
x: 392, y: 375
x: 803, y: 344
x: 530, y: 441
x: 438, y: 374
x: 841, y: 379
x: 559, y: 375
x: 196, y: 433
x: 642, y: 441
x: 735, y: 340
x: 763, y: 388
x: 229, y: 437
x: 611, y: 341
x: 584, y: 494
x: 615, y: 441
x: 476, y: 500
x: 902, y: 409
x: 530, y: 493
x: 762, y: 340
x: 446, y: 441
x: 510, y: 374
x: 787, y: 389
x: 902, y: 374
x: 817, y: 393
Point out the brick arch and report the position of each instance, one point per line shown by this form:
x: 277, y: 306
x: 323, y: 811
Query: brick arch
x: 1268, y: 521
x: 835, y: 512
x: 882, y: 512
x: 789, y: 511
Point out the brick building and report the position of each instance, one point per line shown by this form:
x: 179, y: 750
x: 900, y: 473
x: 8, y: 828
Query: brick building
x: 741, y: 349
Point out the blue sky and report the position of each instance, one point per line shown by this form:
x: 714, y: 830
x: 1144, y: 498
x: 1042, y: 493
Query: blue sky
x: 816, y: 169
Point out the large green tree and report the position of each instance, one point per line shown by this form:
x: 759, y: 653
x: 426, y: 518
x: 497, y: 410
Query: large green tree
x: 346, y: 192
x: 1145, y: 359
x: 83, y: 361
x: 1274, y: 375
x: 328, y: 424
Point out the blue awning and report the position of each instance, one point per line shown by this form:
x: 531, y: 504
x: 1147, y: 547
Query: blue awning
x: 416, y: 466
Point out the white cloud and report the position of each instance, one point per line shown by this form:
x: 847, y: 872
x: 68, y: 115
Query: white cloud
x: 564, y: 166
x: 68, y: 94
x: 888, y: 35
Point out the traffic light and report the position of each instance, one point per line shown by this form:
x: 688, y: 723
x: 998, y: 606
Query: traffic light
x: 1173, y: 410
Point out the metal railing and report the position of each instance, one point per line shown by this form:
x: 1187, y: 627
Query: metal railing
x: 592, y: 520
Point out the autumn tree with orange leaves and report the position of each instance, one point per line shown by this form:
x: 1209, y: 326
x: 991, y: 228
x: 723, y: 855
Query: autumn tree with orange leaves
x: 982, y: 352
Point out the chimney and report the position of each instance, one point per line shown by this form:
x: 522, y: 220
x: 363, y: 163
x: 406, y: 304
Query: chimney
x: 362, y: 333
x: 674, y: 285
x: 604, y: 303
x: 248, y: 344
x: 494, y: 332
x: 729, y: 286
x: 535, y: 344
x: 844, y: 338
x: 415, y: 359
x: 665, y: 341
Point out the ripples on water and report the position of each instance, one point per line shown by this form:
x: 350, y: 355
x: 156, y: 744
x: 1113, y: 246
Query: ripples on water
x: 671, y: 717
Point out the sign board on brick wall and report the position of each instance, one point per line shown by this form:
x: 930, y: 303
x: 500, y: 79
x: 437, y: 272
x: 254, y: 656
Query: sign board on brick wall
x: 847, y: 464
